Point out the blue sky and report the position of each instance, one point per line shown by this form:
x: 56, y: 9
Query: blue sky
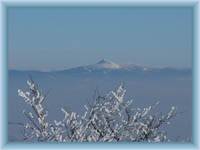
x: 42, y: 38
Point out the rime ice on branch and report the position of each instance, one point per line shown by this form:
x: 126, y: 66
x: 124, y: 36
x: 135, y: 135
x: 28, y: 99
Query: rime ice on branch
x: 110, y: 118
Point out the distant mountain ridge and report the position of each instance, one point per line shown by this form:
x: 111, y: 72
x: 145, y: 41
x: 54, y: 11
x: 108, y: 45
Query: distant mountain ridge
x: 106, y: 67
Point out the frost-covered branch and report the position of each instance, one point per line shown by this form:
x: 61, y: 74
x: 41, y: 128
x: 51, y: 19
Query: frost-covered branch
x: 110, y: 118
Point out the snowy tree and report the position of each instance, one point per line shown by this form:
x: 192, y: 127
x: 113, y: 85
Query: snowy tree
x: 110, y: 118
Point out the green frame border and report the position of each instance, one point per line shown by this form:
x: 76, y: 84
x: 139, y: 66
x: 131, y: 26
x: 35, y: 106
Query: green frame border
x: 195, y: 116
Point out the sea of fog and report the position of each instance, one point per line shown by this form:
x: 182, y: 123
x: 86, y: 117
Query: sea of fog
x: 73, y: 92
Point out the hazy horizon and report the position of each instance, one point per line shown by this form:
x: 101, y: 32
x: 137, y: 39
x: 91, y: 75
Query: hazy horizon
x: 56, y: 38
x: 65, y: 68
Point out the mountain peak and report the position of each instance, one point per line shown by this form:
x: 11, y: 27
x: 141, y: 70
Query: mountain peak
x: 103, y: 63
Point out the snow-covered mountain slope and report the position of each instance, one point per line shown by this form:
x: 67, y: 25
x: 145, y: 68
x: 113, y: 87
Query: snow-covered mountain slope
x: 111, y: 68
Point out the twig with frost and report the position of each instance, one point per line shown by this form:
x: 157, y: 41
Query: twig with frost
x: 110, y: 118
